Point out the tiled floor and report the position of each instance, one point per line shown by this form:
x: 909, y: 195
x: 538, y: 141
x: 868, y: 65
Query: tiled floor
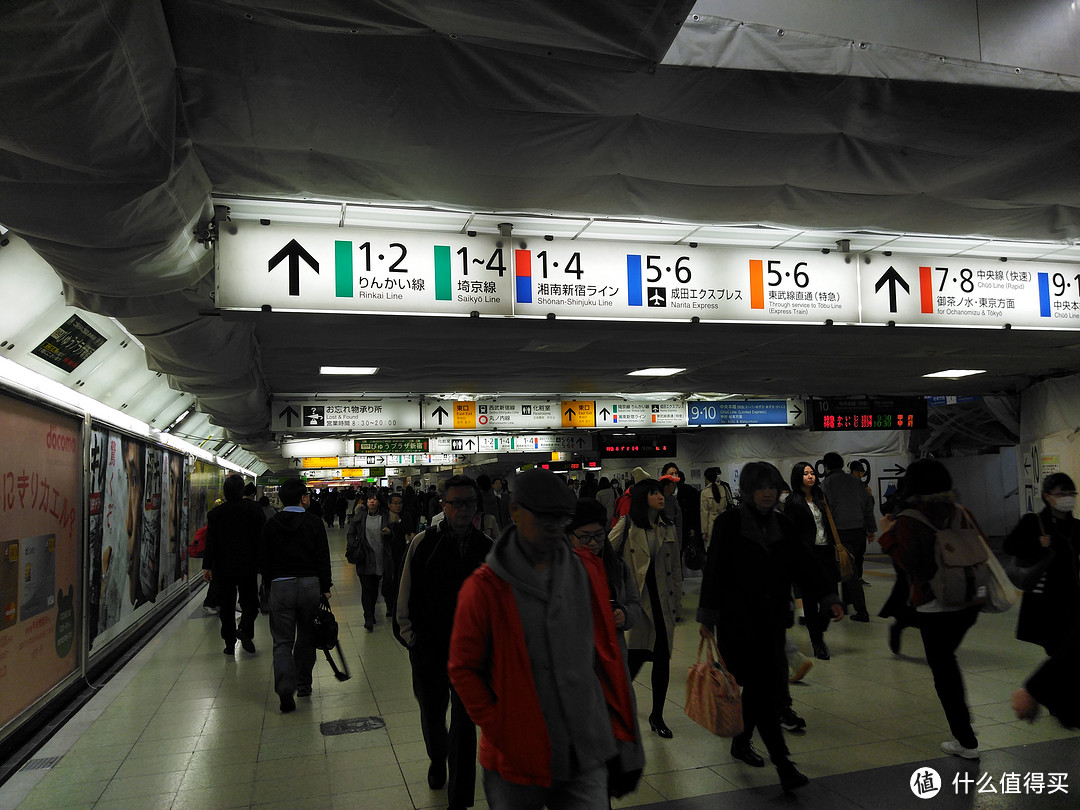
x: 183, y: 726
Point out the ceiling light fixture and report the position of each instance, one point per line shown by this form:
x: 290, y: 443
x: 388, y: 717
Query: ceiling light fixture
x: 655, y: 372
x: 355, y: 370
x: 956, y: 373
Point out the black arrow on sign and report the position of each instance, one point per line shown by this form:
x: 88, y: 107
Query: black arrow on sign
x: 470, y: 444
x: 293, y: 251
x: 569, y: 412
x: 580, y: 442
x: 604, y: 412
x: 893, y: 278
x: 896, y: 469
x: 440, y: 412
x: 289, y: 413
x: 797, y: 412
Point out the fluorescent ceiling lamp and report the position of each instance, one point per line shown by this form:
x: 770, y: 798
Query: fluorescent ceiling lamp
x: 655, y: 372
x: 348, y: 370
x: 956, y: 373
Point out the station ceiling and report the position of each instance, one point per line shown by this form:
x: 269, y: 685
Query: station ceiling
x: 123, y: 124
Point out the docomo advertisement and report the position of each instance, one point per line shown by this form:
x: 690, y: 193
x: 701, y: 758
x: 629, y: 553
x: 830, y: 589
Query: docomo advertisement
x: 40, y: 460
x: 300, y: 268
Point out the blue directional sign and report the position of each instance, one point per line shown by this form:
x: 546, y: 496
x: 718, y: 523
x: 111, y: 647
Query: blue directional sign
x: 743, y: 412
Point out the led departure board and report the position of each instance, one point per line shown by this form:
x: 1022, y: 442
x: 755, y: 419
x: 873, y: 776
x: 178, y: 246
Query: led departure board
x: 876, y: 413
x: 641, y: 445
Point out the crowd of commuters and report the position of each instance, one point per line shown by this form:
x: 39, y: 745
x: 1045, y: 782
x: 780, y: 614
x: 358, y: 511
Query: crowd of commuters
x: 528, y: 612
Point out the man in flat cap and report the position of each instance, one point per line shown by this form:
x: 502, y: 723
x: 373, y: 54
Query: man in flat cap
x: 535, y: 659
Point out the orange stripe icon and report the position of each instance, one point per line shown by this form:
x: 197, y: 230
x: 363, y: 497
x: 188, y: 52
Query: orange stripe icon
x: 757, y: 284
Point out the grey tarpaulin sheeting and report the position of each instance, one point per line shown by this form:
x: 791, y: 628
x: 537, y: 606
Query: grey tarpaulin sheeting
x: 120, y: 120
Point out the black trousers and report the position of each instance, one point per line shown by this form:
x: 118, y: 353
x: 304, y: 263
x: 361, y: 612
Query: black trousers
x: 762, y: 674
x: 431, y: 685
x: 229, y: 588
x: 941, y: 635
x: 369, y: 595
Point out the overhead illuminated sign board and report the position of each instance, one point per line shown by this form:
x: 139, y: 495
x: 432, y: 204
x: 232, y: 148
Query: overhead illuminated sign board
x: 299, y: 268
x: 325, y: 269
x: 360, y: 446
x: 624, y: 414
x: 401, y: 460
x: 937, y: 291
x: 572, y: 278
x: 747, y: 412
x: 503, y: 414
x: 338, y: 416
x: 877, y: 413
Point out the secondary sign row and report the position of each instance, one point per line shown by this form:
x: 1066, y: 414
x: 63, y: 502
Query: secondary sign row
x: 338, y: 416
x: 323, y: 269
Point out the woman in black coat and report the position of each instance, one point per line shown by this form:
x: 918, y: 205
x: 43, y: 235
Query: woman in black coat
x: 1052, y: 607
x: 808, y: 513
x: 754, y: 557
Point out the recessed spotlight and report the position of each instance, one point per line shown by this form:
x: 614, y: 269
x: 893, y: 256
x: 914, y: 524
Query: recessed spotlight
x: 655, y: 372
x: 356, y: 370
x: 956, y: 373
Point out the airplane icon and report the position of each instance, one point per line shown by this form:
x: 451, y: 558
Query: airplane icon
x: 657, y: 297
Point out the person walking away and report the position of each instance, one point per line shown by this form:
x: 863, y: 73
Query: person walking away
x: 535, y: 659
x: 927, y: 489
x: 437, y: 563
x: 231, y: 562
x: 368, y: 547
x: 716, y: 499
x: 646, y: 540
x: 853, y: 511
x: 295, y: 559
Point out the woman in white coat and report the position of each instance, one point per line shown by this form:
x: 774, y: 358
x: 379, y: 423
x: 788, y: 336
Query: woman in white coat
x: 647, y: 541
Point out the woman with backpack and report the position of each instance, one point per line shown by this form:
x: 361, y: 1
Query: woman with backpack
x: 910, y: 541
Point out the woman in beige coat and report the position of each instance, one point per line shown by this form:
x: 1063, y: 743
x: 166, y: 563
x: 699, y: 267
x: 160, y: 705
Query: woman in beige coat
x: 647, y: 541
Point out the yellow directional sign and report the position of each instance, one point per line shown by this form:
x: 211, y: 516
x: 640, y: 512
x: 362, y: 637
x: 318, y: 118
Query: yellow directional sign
x: 578, y: 413
x: 320, y: 462
x: 465, y: 415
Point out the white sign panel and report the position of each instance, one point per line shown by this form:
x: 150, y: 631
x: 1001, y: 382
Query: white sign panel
x: 302, y: 268
x: 322, y: 448
x: 970, y: 292
x: 337, y: 416
x: 401, y: 460
x: 635, y: 281
x: 621, y: 413
x: 503, y: 414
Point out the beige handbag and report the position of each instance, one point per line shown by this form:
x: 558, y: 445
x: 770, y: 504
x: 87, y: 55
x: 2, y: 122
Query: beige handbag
x: 713, y: 700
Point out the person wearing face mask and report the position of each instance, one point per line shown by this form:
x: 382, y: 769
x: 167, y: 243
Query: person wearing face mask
x: 754, y: 558
x: 1050, y: 611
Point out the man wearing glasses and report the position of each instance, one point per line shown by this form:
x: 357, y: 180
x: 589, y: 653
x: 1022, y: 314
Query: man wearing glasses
x: 437, y: 562
x: 535, y: 659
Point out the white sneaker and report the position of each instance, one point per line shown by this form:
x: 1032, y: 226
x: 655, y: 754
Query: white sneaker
x: 957, y: 750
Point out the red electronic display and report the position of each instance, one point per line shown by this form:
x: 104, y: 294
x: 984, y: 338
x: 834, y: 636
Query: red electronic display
x: 896, y: 413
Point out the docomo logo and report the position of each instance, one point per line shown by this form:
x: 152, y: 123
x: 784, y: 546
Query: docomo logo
x: 60, y: 441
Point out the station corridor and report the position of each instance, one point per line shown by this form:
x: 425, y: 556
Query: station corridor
x: 184, y: 727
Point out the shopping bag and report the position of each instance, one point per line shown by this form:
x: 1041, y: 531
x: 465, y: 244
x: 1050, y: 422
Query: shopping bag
x: 713, y: 700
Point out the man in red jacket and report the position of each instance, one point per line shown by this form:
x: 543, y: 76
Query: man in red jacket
x: 534, y: 658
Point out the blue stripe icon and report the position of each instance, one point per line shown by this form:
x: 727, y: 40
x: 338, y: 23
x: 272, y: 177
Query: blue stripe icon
x: 633, y: 280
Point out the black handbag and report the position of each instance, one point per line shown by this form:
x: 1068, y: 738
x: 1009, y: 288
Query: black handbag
x: 1026, y: 574
x: 324, y: 634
